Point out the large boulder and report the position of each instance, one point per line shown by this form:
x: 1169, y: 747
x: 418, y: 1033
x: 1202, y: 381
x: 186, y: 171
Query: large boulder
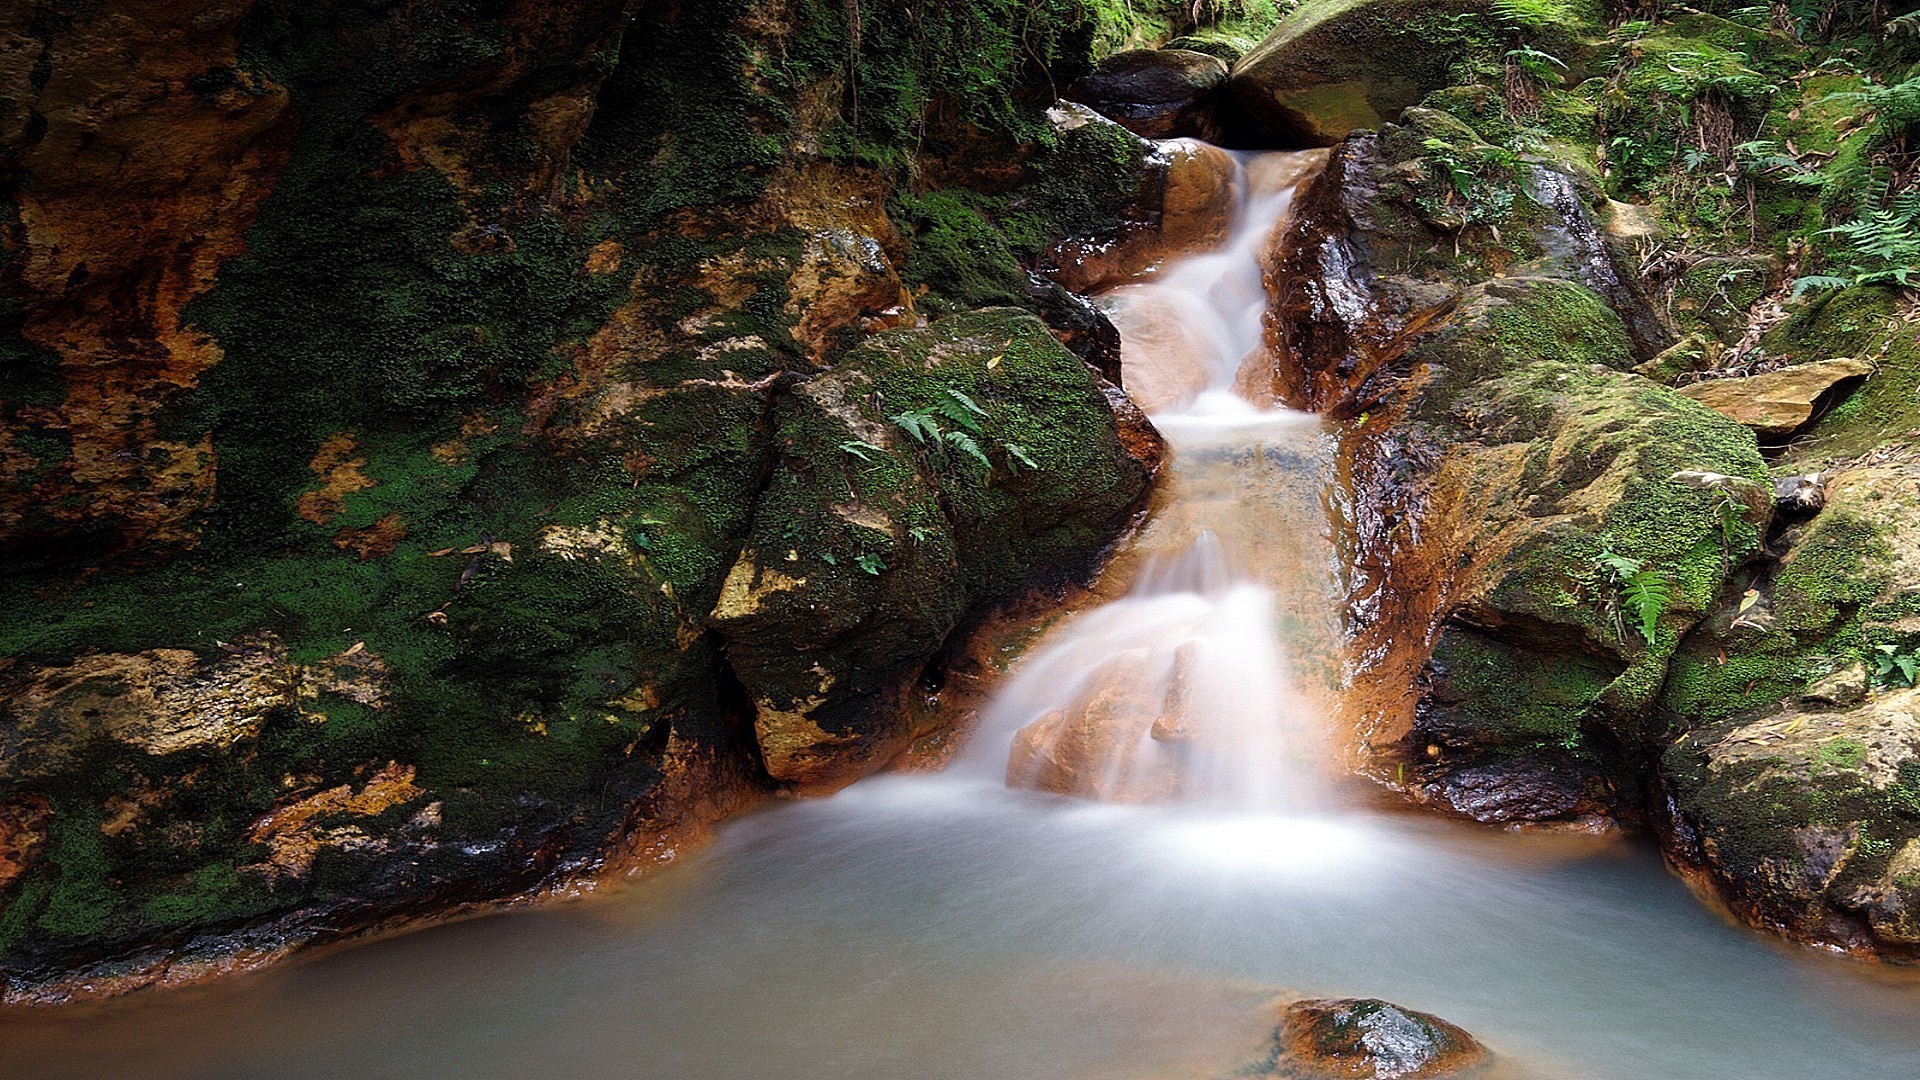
x: 1336, y: 66
x: 932, y: 471
x: 1507, y: 478
x: 1156, y: 93
x: 1806, y: 818
x: 1793, y: 789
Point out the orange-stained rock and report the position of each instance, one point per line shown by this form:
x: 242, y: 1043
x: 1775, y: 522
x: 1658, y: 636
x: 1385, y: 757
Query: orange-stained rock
x: 1775, y: 404
x: 1367, y: 1039
x: 23, y: 833
x: 339, y: 474
x: 142, y: 184
x: 294, y: 834
x: 1105, y: 746
x: 1198, y: 203
x: 159, y: 702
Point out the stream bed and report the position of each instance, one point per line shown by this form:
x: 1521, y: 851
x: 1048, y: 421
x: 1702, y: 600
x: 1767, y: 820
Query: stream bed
x: 937, y: 927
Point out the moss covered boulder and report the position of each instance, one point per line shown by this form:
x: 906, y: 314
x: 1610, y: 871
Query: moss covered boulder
x: 1514, y: 486
x: 933, y: 471
x: 1806, y: 818
x: 1332, y: 67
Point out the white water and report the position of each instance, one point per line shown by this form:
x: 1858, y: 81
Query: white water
x: 1187, y: 689
x: 947, y: 927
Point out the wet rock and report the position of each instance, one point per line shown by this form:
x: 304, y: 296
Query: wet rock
x: 1802, y: 818
x: 1083, y: 328
x: 1110, y: 744
x: 1800, y: 495
x: 1516, y: 789
x: 1499, y: 451
x: 1156, y: 93
x: 1367, y: 1037
x: 1190, y: 186
x: 1776, y: 404
x: 876, y: 534
x: 1329, y: 69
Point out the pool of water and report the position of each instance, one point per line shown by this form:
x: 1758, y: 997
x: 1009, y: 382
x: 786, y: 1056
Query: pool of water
x: 933, y: 927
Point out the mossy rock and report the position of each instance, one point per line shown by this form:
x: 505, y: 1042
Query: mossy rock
x: 1859, y: 324
x: 1332, y: 67
x: 932, y: 472
x: 1805, y: 818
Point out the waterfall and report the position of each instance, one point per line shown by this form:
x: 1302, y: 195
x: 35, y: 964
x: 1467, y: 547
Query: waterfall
x: 1206, y: 681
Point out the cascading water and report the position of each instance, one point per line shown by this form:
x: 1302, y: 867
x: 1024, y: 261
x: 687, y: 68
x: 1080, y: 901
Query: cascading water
x: 1186, y: 688
x: 945, y: 926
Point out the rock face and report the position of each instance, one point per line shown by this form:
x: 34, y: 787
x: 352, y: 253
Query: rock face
x: 1792, y: 791
x: 1336, y: 66
x: 408, y: 415
x: 1367, y: 1037
x: 1777, y: 403
x: 1156, y: 93
x: 1185, y: 198
x: 1500, y: 455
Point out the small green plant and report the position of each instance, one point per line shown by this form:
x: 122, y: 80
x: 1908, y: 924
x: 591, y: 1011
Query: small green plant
x: 943, y: 443
x: 1543, y: 66
x: 1895, y: 668
x: 1642, y: 593
x: 872, y: 564
x: 861, y: 449
x: 950, y: 431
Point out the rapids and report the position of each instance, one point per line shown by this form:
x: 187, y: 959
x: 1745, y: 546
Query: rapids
x: 948, y: 925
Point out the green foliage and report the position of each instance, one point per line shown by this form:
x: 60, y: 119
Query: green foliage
x: 1881, y: 247
x: 945, y: 446
x: 1481, y: 177
x: 1644, y: 593
x: 1894, y: 667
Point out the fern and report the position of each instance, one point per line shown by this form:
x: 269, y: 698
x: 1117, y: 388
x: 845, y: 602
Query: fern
x: 966, y: 444
x: 1646, y: 594
x: 1818, y: 283
x: 1531, y: 14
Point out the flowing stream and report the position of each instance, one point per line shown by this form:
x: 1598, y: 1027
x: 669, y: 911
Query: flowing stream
x: 979, y: 924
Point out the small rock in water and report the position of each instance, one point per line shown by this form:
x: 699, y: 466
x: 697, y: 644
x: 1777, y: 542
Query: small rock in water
x: 1367, y: 1038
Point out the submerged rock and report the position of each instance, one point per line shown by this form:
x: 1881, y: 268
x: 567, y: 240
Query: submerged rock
x: 1156, y: 93
x: 1366, y: 1039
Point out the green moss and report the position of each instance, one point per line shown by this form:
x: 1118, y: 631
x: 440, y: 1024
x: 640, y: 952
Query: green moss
x: 82, y: 900
x: 1519, y: 698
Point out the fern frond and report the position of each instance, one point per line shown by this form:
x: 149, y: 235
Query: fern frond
x: 1648, y: 594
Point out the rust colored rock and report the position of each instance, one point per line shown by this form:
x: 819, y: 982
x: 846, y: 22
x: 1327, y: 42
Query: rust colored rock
x: 156, y: 154
x: 1194, y: 182
x: 23, y: 835
x: 1775, y: 404
x: 1369, y: 1039
x: 1106, y: 745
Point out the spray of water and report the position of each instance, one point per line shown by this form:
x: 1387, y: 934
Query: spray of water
x: 1199, y: 684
